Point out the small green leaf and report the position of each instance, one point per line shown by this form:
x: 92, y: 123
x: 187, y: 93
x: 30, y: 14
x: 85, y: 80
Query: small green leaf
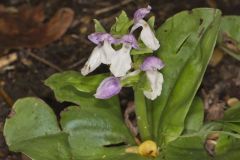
x: 122, y: 24
x: 151, y: 22
x: 229, y: 35
x: 232, y: 114
x: 143, y: 49
x: 98, y: 26
x: 227, y: 148
x: 131, y: 80
x: 144, y: 83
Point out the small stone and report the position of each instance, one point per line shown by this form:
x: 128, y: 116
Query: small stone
x: 216, y: 57
x: 232, y: 101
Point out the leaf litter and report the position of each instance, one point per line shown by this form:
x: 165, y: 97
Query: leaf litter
x: 26, y: 27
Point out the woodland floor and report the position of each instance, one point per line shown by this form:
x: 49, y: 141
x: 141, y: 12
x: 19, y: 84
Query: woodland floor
x: 25, y: 75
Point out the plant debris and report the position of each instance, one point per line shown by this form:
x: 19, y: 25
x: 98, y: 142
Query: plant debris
x: 8, y: 59
x: 25, y: 27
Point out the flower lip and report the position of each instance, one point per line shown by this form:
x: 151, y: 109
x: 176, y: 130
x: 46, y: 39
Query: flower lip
x: 129, y: 39
x: 109, y: 87
x: 152, y: 63
x: 141, y: 13
x: 99, y: 37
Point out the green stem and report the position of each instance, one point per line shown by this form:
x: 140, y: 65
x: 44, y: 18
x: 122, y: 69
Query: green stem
x: 141, y: 113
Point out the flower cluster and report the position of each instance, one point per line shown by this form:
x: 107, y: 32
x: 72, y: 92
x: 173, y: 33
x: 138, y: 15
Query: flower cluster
x: 120, y: 60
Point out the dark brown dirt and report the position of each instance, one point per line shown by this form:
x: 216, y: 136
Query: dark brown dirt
x: 25, y: 76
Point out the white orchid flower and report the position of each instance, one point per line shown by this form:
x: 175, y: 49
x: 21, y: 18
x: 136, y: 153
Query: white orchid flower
x: 102, y: 53
x: 151, y: 65
x: 146, y: 35
x: 121, y: 61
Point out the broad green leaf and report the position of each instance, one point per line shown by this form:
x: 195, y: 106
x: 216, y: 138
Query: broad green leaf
x: 75, y: 79
x: 70, y: 94
x: 186, y: 148
x: 33, y: 130
x: 122, y: 24
x: 89, y: 133
x: 195, y: 117
x: 92, y: 132
x: 229, y: 35
x: 187, y: 41
x: 68, y: 87
x: 98, y: 26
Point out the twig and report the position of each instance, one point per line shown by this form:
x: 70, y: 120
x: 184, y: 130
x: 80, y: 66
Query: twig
x: 109, y: 8
x: 6, y: 60
x: 77, y: 63
x: 5, y: 96
x: 44, y: 61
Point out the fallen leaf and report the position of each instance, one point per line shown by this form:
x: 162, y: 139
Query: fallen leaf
x: 25, y: 27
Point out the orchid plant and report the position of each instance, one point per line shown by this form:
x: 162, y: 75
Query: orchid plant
x: 163, y: 67
x: 120, y: 60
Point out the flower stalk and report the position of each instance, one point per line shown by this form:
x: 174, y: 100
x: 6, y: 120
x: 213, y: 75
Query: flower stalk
x: 141, y: 113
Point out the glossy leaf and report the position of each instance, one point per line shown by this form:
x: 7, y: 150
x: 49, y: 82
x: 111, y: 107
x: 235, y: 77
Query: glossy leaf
x: 229, y: 35
x: 89, y: 133
x: 187, y: 41
x: 227, y: 148
x: 195, y: 117
x: 187, y: 148
x: 72, y: 78
x: 33, y: 130
x: 69, y: 86
x: 92, y: 132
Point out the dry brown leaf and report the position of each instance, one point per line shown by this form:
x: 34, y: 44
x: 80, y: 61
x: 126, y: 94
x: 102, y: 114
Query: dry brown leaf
x: 25, y: 27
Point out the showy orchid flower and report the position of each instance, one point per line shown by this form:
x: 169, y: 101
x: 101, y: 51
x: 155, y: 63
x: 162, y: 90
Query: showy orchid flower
x: 146, y: 35
x: 151, y: 65
x: 109, y: 87
x: 121, y: 60
x: 102, y: 53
